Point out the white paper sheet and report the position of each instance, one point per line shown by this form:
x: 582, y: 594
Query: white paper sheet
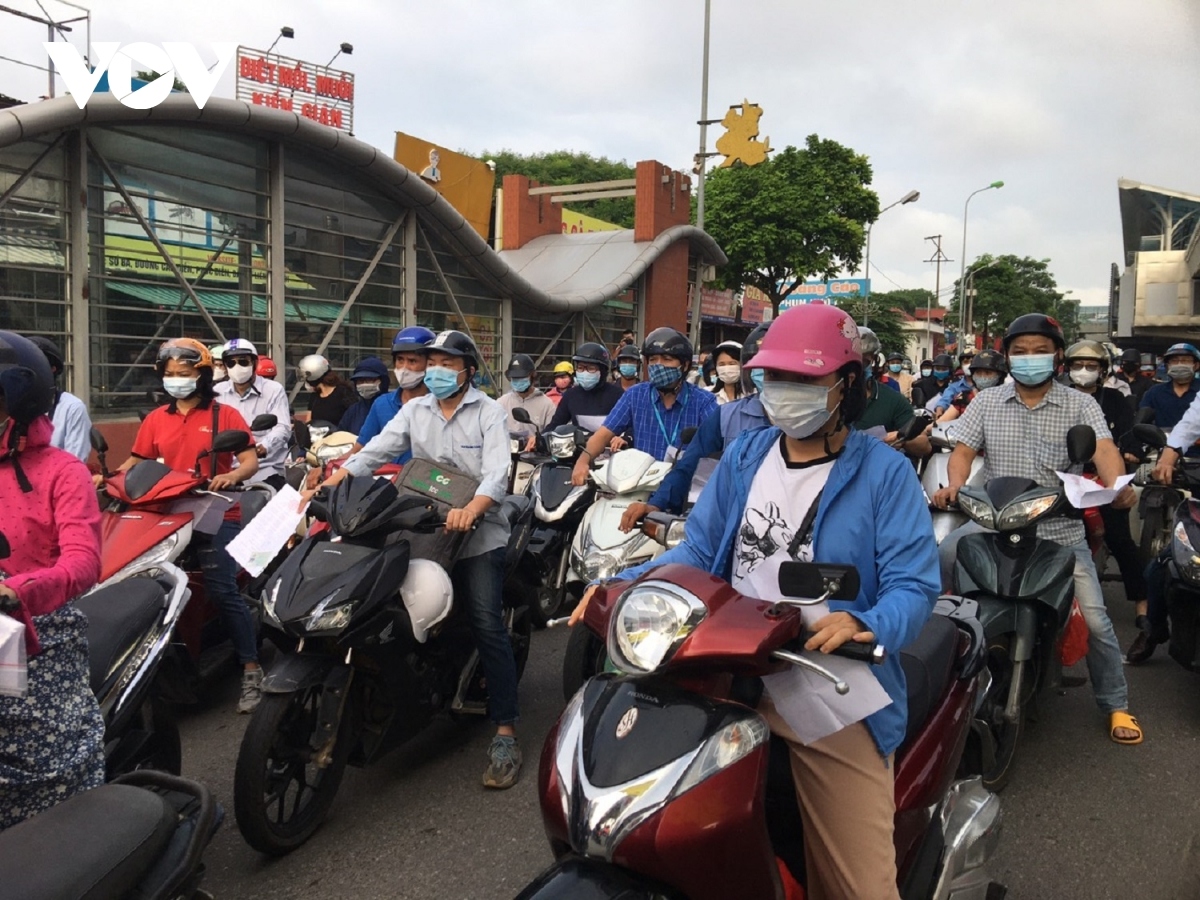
x: 208, y: 510
x: 264, y: 536
x: 13, y: 666
x: 1083, y: 493
x: 811, y: 705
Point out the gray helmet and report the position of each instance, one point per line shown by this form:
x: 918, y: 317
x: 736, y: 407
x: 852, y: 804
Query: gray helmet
x: 870, y: 341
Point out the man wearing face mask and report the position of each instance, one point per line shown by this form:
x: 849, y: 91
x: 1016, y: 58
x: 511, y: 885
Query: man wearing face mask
x: 658, y: 410
x: 588, y: 403
x: 700, y: 456
x: 370, y: 379
x: 629, y: 366
x: 252, y: 396
x: 1171, y: 399
x: 1021, y: 428
x: 408, y: 361
x: 457, y: 425
x: 895, y: 370
x: 824, y: 484
x: 181, y: 433
x: 520, y: 373
x: 931, y: 386
x: 886, y: 411
x: 219, y: 373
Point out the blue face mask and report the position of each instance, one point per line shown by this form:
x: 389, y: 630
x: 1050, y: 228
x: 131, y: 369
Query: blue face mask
x: 1033, y: 369
x: 442, y: 382
x: 665, y: 377
x: 895, y: 368
x: 757, y: 376
x: 587, y: 380
x: 629, y: 370
x: 520, y: 385
x: 939, y: 374
x: 179, y: 388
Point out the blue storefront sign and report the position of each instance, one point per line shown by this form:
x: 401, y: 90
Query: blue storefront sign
x: 827, y: 291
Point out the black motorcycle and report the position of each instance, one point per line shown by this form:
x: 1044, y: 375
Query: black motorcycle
x: 141, y: 836
x: 380, y: 648
x: 1024, y: 586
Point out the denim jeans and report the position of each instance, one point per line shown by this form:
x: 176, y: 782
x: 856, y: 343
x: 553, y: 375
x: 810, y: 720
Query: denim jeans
x: 1104, y: 661
x: 479, y: 582
x: 220, y: 581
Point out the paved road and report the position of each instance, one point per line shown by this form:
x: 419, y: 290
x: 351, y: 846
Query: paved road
x: 1084, y: 818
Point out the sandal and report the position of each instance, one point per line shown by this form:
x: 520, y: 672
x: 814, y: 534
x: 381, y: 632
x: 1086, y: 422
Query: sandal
x: 1123, y: 720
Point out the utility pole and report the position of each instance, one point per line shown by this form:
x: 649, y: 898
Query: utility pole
x: 700, y: 167
x: 938, y: 258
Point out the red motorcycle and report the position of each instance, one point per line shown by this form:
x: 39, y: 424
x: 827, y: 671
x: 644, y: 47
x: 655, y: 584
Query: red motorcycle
x: 663, y: 782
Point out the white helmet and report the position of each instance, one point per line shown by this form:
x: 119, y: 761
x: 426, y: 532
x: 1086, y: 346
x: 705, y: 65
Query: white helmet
x: 313, y: 368
x: 427, y: 594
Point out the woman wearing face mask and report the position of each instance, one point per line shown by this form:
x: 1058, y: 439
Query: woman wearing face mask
x: 180, y: 433
x: 330, y: 395
x: 593, y: 397
x: 564, y: 380
x: 370, y: 379
x: 987, y: 371
x: 728, y: 386
x: 253, y: 395
x: 54, y: 736
x: 797, y: 491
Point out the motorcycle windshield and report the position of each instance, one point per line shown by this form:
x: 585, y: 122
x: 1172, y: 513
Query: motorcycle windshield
x: 319, y: 569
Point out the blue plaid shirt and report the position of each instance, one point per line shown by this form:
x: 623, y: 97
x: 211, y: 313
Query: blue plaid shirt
x: 639, y: 405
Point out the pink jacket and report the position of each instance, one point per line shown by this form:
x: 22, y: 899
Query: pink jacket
x: 53, y: 531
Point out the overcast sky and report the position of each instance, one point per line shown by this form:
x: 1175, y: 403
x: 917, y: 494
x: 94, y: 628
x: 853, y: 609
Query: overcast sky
x: 1058, y: 98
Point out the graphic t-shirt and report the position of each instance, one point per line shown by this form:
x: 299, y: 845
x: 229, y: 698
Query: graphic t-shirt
x: 781, y: 495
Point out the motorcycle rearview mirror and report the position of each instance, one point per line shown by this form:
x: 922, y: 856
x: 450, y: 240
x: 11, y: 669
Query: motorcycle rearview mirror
x: 1081, y: 444
x: 265, y: 422
x: 1144, y: 416
x: 99, y: 444
x: 1151, y: 435
x: 801, y: 579
x: 231, y: 441
x: 521, y: 415
x: 142, y: 413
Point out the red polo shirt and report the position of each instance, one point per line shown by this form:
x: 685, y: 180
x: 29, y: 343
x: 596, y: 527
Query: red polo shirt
x: 180, y: 437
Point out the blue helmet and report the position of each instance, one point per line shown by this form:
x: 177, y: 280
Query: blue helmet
x: 412, y: 339
x: 1180, y: 349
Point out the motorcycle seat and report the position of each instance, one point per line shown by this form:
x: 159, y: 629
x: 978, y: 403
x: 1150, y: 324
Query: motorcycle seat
x: 928, y: 664
x: 115, y: 833
x: 117, y: 616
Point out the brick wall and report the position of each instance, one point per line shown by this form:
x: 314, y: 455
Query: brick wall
x: 526, y: 217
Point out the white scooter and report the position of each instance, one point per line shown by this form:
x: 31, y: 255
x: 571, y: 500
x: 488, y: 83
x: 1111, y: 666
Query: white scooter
x: 936, y: 475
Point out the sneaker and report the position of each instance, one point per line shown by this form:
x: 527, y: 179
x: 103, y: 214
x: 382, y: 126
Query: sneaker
x: 504, y: 763
x: 251, y: 690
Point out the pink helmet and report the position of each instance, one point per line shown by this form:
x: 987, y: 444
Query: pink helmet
x: 814, y: 339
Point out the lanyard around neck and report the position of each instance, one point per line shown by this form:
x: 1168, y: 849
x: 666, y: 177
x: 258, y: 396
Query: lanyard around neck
x: 671, y: 439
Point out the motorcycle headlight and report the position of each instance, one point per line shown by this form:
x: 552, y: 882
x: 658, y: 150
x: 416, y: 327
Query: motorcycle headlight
x: 649, y: 623
x: 329, y: 452
x: 561, y: 446
x: 1023, y: 512
x: 977, y: 509
x: 326, y: 617
x: 599, y: 565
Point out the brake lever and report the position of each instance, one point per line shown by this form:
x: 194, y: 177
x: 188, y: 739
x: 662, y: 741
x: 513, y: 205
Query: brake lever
x: 804, y: 663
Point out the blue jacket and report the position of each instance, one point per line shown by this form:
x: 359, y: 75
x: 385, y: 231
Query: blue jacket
x: 870, y: 486
x: 383, y: 409
x: 722, y: 426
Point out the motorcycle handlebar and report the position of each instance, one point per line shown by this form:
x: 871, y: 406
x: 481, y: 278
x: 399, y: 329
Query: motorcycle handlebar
x: 872, y: 652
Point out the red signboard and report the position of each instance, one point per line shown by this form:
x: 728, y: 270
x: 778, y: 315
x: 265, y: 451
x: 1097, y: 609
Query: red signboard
x: 316, y: 92
x: 756, y: 306
x: 718, y: 306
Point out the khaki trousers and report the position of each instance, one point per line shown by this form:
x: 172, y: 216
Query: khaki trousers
x: 847, y: 803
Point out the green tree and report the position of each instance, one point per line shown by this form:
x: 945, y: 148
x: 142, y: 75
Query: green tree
x: 568, y: 167
x: 802, y: 214
x: 883, y: 320
x: 907, y: 299
x: 149, y: 75
x: 1008, y: 286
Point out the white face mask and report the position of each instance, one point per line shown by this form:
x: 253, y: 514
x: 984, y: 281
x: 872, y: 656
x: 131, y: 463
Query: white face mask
x: 1084, y: 377
x: 798, y: 409
x: 407, y: 378
x: 241, y: 374
x: 367, y: 389
x: 729, y: 373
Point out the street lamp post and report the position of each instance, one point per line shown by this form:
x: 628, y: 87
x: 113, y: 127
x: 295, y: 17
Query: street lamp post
x: 910, y: 197
x: 970, y: 293
x: 962, y: 323
x: 701, y: 166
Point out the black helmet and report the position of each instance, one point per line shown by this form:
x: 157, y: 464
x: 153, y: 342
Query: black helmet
x: 629, y: 351
x: 753, y: 342
x: 668, y: 342
x: 1035, y: 323
x: 895, y: 354
x: 455, y: 343
x: 520, y: 366
x: 1131, y: 357
x: 943, y: 361
x: 593, y: 353
x: 25, y: 380
x: 989, y: 359
x: 53, y: 354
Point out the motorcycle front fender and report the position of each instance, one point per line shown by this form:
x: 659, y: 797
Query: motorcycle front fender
x: 296, y: 672
x: 574, y: 877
